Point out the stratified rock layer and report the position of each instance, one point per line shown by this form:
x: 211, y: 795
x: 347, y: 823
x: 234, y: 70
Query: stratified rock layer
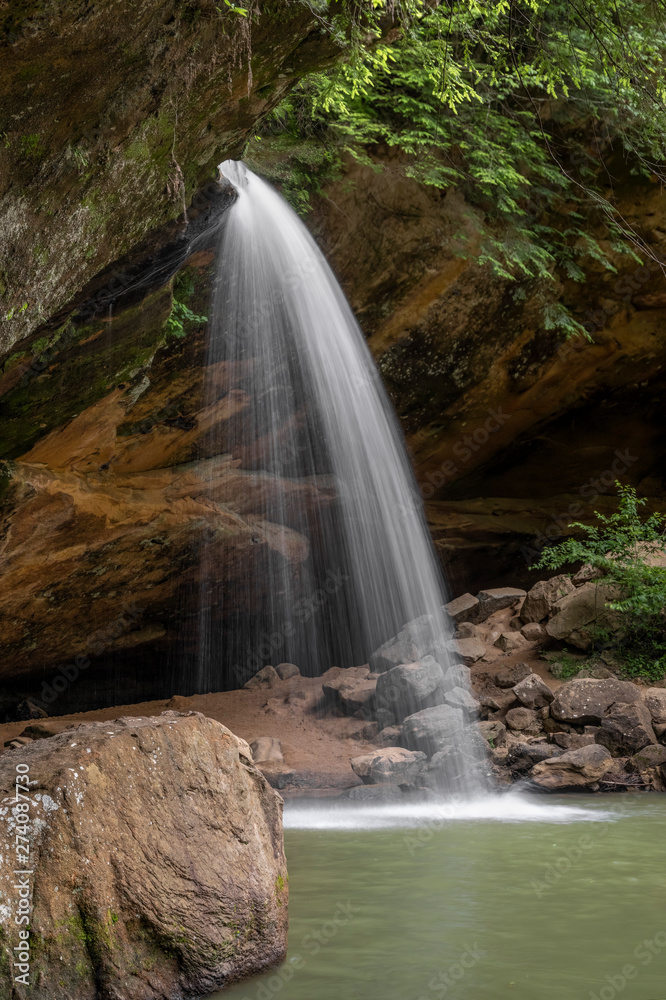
x: 158, y: 862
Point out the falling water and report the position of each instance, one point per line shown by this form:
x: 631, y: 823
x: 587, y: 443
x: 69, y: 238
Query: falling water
x: 320, y: 456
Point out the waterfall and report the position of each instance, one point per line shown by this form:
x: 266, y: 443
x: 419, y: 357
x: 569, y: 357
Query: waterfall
x: 313, y: 438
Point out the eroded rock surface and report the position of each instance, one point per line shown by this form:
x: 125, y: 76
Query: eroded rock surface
x: 158, y: 861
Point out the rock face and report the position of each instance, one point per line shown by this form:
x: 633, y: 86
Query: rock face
x: 143, y: 131
x: 351, y: 690
x: 573, y: 769
x: 158, y: 862
x: 391, y: 765
x: 587, y: 700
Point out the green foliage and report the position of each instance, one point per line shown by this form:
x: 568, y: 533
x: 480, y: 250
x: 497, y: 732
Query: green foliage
x: 514, y: 103
x: 180, y: 312
x: 626, y: 548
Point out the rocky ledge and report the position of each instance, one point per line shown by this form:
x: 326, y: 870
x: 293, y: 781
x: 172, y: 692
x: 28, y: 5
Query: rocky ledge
x: 155, y: 865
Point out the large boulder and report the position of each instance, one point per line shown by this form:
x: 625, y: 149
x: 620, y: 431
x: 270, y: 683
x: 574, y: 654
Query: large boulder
x: 511, y: 642
x: 574, y: 769
x: 543, y: 596
x: 433, y: 729
x: 522, y: 757
x: 410, y: 687
x: 655, y: 701
x: 586, y: 701
x: 496, y: 599
x: 532, y: 692
x: 266, y: 677
x: 520, y: 719
x: 157, y: 867
x: 266, y: 748
x: 626, y: 730
x: 390, y: 765
x: 400, y: 649
x: 460, y: 697
x: 575, y: 611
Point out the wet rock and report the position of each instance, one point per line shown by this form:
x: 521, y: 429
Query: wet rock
x: 493, y: 732
x: 543, y: 596
x: 470, y: 650
x: 511, y: 642
x: 391, y: 765
x: 533, y: 692
x: 142, y: 820
x: 495, y: 599
x: 373, y: 793
x: 587, y: 701
x: 534, y: 632
x: 265, y: 677
x: 400, y: 649
x: 266, y: 748
x: 510, y: 674
x: 448, y: 770
x: 626, y: 730
x: 408, y: 688
x: 574, y: 769
x: 463, y: 609
x: 522, y: 719
x: 287, y: 670
x: 391, y: 736
x: 385, y: 719
x: 655, y: 701
x: 432, y: 729
x: 461, y: 698
x: 581, y: 607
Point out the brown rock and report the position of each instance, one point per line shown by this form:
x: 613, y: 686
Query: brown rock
x: 533, y: 692
x: 468, y: 630
x: 511, y: 642
x: 650, y: 756
x: 575, y: 769
x: 587, y: 701
x: 410, y: 687
x: 655, y: 701
x: 390, y: 736
x: 470, y: 650
x: 266, y: 748
x: 534, y: 632
x: 463, y: 608
x: 351, y: 690
x: 142, y: 820
x: 179, y: 704
x: 510, y: 674
x: 581, y: 607
x: 495, y: 599
x: 543, y: 596
x: 287, y: 670
x: 573, y: 741
x: 266, y: 677
x: 393, y: 765
x: 521, y: 719
x: 626, y: 730
x: 493, y: 731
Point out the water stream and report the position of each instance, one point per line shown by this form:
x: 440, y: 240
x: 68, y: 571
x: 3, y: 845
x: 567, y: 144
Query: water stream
x: 319, y: 457
x: 508, y: 898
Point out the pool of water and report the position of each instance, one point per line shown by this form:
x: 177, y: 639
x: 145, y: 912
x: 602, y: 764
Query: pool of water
x: 508, y: 898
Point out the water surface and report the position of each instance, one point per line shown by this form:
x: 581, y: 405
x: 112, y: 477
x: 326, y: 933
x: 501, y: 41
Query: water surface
x: 517, y: 899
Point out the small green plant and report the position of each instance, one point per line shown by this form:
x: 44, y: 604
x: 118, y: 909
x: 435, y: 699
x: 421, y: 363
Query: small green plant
x: 233, y: 8
x: 627, y: 550
x: 180, y: 315
x: 16, y: 311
